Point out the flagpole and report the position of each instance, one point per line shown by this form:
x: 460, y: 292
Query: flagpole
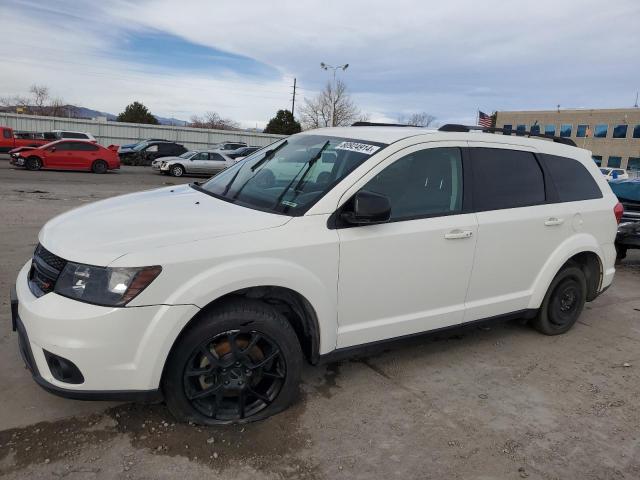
x: 477, y: 116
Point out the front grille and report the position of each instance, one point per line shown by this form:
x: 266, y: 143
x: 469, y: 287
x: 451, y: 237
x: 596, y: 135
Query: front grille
x: 45, y: 270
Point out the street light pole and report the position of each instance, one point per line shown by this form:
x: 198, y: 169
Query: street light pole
x: 326, y: 66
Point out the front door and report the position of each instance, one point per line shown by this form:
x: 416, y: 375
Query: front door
x: 411, y: 274
x: 59, y: 156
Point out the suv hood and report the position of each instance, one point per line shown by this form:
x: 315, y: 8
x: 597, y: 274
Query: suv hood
x: 99, y: 233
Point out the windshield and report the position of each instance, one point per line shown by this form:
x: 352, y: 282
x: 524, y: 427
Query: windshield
x: 187, y: 154
x: 288, y: 177
x: 139, y: 146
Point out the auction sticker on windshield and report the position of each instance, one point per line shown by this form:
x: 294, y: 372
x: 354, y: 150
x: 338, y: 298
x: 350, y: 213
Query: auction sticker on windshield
x: 358, y: 147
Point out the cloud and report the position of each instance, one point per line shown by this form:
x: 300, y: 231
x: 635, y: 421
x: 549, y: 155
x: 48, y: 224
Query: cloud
x: 447, y: 58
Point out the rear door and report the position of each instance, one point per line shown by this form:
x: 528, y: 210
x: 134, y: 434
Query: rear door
x: 518, y: 227
x: 86, y: 153
x: 216, y: 163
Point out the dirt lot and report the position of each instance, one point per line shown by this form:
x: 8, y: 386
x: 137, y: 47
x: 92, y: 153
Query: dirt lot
x: 481, y: 403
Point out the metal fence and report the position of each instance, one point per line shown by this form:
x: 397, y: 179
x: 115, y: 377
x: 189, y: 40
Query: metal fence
x: 117, y: 133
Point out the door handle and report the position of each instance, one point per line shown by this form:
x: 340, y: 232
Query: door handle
x: 554, y: 221
x: 456, y: 234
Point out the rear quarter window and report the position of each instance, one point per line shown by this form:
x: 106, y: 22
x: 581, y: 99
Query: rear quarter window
x: 504, y: 178
x: 572, y: 180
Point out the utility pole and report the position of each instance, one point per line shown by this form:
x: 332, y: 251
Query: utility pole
x: 293, y: 101
x: 636, y: 104
x: 326, y: 66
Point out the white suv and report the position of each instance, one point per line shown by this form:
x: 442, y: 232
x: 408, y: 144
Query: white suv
x: 213, y: 295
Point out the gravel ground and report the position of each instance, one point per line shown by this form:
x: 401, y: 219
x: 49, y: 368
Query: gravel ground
x: 472, y: 403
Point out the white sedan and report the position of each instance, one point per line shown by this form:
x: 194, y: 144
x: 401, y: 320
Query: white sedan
x: 194, y: 162
x: 614, y: 173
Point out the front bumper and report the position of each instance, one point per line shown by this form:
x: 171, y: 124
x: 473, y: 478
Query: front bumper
x: 119, y: 351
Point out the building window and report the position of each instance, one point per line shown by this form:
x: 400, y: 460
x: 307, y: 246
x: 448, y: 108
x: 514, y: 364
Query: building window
x: 620, y: 131
x: 549, y: 129
x: 636, y: 131
x: 565, y: 130
x: 520, y: 129
x: 601, y: 131
x: 634, y: 163
x: 581, y: 131
x: 507, y: 129
x: 535, y: 129
x: 614, y: 162
x: 597, y: 159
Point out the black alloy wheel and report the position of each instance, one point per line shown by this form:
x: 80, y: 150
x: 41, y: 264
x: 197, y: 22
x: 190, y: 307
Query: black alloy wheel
x: 238, y: 362
x: 99, y: 166
x: 33, y: 163
x: 234, y: 375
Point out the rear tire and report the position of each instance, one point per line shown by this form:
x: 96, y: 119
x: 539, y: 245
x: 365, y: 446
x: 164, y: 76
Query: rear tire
x: 99, y: 166
x: 177, y: 170
x: 563, y: 303
x: 240, y: 362
x: 33, y: 163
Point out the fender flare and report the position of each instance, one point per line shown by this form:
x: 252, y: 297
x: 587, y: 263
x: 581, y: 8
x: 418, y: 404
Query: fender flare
x: 578, y: 243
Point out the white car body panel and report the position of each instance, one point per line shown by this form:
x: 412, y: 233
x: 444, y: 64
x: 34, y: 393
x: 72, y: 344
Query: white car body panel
x: 364, y: 283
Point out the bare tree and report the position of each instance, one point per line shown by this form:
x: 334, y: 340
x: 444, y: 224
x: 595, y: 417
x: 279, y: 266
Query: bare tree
x: 214, y: 121
x: 39, y: 98
x: 418, y: 119
x: 332, y: 107
x: 39, y: 102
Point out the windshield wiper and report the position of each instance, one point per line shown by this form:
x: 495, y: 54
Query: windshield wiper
x: 268, y: 155
x: 309, y: 164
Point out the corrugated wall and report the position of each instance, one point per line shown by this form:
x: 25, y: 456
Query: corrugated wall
x: 116, y: 133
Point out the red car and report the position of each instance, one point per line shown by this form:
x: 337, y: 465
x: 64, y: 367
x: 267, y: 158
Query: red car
x: 68, y: 155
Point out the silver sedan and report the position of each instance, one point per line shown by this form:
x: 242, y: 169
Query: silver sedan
x: 206, y: 162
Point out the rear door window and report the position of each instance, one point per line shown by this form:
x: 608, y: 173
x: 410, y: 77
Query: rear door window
x: 572, y: 180
x: 6, y: 133
x: 505, y: 178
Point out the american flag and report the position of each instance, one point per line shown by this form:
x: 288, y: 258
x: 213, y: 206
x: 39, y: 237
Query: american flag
x: 484, y: 120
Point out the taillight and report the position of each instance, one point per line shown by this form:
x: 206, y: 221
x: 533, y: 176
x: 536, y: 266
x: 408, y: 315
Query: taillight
x: 618, y: 210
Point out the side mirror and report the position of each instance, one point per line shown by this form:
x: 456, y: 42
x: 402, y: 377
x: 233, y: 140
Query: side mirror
x: 368, y: 208
x: 52, y: 149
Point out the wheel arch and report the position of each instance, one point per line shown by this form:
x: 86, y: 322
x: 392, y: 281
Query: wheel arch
x: 582, y: 250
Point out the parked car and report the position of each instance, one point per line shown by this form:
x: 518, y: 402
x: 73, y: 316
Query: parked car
x: 66, y: 134
x: 196, y: 163
x: 239, y: 153
x: 145, y: 153
x: 68, y: 155
x: 228, y: 146
x: 628, y: 192
x: 129, y: 146
x: 614, y: 173
x: 212, y: 295
x: 10, y: 140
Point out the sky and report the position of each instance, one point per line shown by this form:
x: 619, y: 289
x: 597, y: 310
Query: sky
x: 239, y: 58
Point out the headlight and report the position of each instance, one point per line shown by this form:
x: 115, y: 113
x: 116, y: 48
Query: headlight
x: 111, y: 287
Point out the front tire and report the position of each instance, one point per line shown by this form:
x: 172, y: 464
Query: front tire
x: 99, y: 166
x: 177, y: 170
x: 240, y: 362
x: 563, y: 303
x: 33, y: 163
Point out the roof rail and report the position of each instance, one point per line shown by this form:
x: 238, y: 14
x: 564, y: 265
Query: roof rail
x: 376, y: 124
x: 454, y: 127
